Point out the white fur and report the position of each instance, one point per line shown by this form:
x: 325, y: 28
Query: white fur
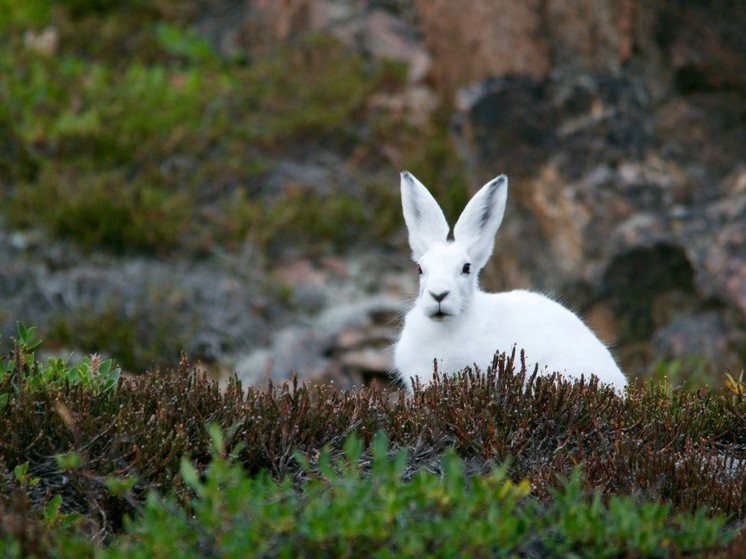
x: 467, y: 326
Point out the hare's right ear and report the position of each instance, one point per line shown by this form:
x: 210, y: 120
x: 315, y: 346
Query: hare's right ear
x: 425, y: 220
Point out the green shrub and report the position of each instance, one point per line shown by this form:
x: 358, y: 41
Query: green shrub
x: 21, y: 370
x: 360, y: 505
x: 296, y: 217
x: 105, y: 210
x: 24, y: 14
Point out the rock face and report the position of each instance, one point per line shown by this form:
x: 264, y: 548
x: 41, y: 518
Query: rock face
x: 345, y: 322
x: 697, y: 45
x: 487, y: 38
x: 627, y: 177
x: 348, y: 344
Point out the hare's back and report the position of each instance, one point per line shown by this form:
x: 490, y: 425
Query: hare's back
x: 550, y: 333
x: 528, y: 311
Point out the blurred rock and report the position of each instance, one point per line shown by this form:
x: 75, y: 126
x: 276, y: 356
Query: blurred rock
x: 45, y: 42
x: 380, y: 29
x: 703, y: 336
x: 383, y: 30
x: 496, y: 38
x: 703, y: 41
x: 334, y: 319
x: 697, y: 44
x: 386, y: 36
x: 349, y: 344
x: 489, y: 38
x: 348, y: 338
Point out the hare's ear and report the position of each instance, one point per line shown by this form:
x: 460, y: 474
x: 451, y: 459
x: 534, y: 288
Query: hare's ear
x: 425, y: 220
x: 479, y: 221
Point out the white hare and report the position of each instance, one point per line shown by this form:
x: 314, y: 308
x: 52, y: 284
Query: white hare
x: 457, y: 325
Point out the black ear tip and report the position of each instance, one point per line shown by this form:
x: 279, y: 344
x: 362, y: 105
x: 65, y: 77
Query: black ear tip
x: 497, y: 182
x: 407, y: 176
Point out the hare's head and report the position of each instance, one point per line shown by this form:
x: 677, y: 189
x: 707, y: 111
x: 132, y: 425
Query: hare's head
x: 449, y: 265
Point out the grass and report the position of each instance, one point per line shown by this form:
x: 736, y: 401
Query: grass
x: 377, y: 514
x: 359, y: 506
x: 113, y: 140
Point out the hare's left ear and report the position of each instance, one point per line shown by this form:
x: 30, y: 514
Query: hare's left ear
x: 481, y: 218
x: 425, y: 221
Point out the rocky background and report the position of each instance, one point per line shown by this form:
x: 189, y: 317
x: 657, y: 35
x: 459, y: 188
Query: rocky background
x: 622, y: 127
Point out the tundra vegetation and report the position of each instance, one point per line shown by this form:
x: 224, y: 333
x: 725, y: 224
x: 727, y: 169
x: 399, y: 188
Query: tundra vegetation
x: 93, y: 464
x: 146, y: 139
x: 123, y: 130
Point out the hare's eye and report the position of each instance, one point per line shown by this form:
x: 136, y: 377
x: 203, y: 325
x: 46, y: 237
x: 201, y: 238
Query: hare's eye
x: 466, y: 269
x: 419, y: 269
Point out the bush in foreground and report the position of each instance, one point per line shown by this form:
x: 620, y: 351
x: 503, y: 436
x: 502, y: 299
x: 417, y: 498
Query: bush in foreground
x: 360, y: 506
x: 475, y: 465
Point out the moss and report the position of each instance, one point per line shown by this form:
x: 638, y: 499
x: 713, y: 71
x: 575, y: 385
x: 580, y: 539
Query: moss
x: 692, y: 370
x: 17, y: 163
x: 32, y: 13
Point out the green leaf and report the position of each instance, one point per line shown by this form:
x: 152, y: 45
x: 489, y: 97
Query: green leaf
x: 20, y: 472
x: 68, y: 460
x: 27, y: 336
x: 380, y: 446
x: 120, y: 486
x: 191, y: 476
x: 353, y: 449
x: 51, y: 513
x: 187, y: 43
x: 216, y: 437
x: 104, y: 367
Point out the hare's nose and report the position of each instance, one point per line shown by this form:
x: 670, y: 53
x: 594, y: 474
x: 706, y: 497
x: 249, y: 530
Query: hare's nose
x: 439, y: 296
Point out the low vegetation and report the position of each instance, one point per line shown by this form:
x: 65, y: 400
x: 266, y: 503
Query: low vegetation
x: 128, y: 131
x: 170, y: 463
